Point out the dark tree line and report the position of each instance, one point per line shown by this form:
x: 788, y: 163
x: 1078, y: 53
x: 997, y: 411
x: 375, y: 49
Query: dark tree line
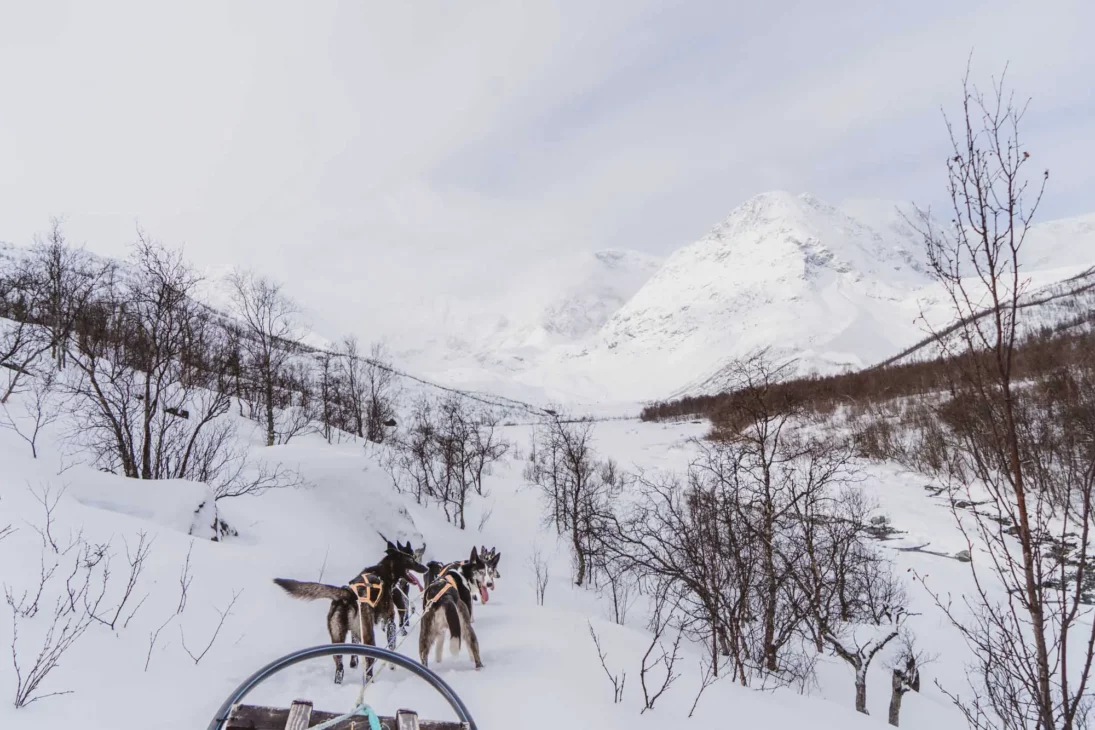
x: 1033, y: 356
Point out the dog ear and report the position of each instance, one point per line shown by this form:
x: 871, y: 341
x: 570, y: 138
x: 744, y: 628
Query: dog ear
x: 474, y: 555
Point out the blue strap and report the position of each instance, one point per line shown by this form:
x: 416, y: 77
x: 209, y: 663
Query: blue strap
x: 361, y: 710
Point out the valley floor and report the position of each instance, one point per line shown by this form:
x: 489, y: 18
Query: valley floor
x: 541, y: 669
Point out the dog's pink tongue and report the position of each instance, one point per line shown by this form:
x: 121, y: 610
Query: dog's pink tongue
x: 483, y: 595
x: 414, y: 579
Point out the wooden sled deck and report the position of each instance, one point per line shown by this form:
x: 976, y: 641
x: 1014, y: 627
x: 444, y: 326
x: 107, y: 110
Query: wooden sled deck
x: 301, y: 716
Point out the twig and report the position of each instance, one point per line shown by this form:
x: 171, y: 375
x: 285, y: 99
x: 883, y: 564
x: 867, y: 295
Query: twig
x: 220, y: 624
x: 153, y: 636
x: 184, y: 581
x: 323, y: 568
x: 708, y: 678
x: 617, y: 681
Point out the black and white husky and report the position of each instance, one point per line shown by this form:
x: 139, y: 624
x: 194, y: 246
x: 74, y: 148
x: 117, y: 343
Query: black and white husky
x: 404, y: 608
x: 363, y: 602
x: 447, y: 601
x: 491, y: 557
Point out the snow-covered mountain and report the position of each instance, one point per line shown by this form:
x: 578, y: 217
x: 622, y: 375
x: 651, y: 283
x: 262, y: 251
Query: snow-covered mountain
x: 831, y: 287
x: 782, y: 271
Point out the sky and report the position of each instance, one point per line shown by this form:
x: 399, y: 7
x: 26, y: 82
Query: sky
x: 397, y: 164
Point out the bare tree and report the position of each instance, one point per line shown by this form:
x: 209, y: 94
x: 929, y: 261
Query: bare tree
x: 40, y: 410
x: 141, y: 404
x: 1032, y: 475
x: 185, y: 579
x: 216, y: 632
x: 621, y: 587
x: 327, y: 380
x: 541, y: 575
x: 153, y: 637
x: 271, y: 335
x: 708, y: 676
x: 676, y: 537
x: 772, y: 475
x: 445, y: 454
x: 78, y: 596
x: 44, y: 299
x: 879, y: 622
x: 352, y: 371
x: 380, y: 393
x: 664, y: 658
x: 21, y: 341
x: 617, y: 680
x: 63, y: 631
x: 906, y: 677
x: 577, y: 487
x: 136, y: 561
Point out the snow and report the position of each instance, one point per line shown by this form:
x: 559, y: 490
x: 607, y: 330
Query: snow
x: 539, y: 661
x: 833, y: 287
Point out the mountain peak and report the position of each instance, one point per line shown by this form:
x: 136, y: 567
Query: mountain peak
x: 783, y: 270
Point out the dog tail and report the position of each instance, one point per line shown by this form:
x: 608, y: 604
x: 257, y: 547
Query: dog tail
x: 452, y: 616
x: 313, y: 591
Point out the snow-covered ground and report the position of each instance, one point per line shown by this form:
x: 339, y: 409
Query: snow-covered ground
x: 540, y: 666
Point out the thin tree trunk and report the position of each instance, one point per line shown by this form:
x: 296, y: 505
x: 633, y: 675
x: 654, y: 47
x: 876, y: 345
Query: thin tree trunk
x: 861, y: 690
x: 899, y: 689
x: 270, y: 434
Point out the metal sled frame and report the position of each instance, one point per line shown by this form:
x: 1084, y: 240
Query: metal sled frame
x: 363, y: 650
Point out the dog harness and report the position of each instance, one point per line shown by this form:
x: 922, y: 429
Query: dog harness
x: 368, y: 588
x: 450, y: 584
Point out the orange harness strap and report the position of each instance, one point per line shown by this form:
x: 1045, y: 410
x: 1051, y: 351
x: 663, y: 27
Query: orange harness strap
x: 368, y: 588
x: 450, y: 584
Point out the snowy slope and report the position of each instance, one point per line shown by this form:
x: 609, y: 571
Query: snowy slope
x: 539, y: 661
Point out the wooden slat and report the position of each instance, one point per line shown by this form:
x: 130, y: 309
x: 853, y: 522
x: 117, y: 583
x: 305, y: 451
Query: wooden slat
x: 406, y: 720
x: 300, y: 712
x: 253, y: 717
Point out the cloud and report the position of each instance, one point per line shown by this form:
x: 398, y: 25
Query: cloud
x: 393, y: 160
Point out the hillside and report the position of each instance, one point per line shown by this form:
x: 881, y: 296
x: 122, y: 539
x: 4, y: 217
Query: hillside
x: 326, y: 530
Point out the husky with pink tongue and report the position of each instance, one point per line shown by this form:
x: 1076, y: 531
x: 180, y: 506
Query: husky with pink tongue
x: 475, y: 579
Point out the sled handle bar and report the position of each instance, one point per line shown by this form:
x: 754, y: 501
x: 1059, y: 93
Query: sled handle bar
x: 369, y: 652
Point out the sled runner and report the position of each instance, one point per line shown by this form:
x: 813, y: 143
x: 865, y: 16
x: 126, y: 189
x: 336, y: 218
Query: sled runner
x: 301, y: 715
x: 233, y: 715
